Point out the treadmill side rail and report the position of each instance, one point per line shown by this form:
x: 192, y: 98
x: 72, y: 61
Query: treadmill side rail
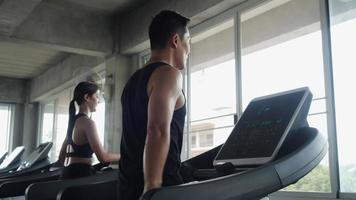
x: 36, y: 190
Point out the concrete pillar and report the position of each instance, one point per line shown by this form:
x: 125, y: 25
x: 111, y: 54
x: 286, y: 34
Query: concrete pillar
x: 30, y: 122
x: 13, y: 91
x: 18, y: 122
x: 118, y: 70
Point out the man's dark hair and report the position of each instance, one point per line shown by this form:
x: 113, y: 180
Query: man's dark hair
x: 165, y: 24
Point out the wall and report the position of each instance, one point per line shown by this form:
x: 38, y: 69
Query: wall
x: 12, y: 90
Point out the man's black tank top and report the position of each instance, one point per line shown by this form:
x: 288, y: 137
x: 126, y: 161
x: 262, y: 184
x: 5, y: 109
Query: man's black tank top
x: 134, y: 102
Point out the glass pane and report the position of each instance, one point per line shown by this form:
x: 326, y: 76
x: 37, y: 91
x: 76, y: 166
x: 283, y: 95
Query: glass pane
x: 213, y: 91
x: 99, y: 119
x: 5, y: 124
x: 343, y: 32
x: 282, y: 50
x: 318, y: 180
x: 206, y: 139
x: 62, y: 106
x: 47, y: 122
x: 284, y: 66
x: 212, y: 86
x: 217, y: 122
x: 318, y: 106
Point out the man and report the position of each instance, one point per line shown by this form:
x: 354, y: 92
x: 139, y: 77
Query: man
x: 154, y: 111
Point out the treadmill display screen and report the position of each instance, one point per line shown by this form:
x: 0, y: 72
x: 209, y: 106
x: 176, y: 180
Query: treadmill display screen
x: 14, y: 155
x: 261, y: 127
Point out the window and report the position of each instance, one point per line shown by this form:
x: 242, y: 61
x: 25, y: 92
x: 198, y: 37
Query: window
x: 99, y: 118
x: 54, y: 123
x: 281, y: 50
x: 212, y: 87
x: 343, y: 32
x: 61, y: 121
x: 206, y: 139
x: 47, y: 122
x: 201, y: 138
x: 193, y: 141
x: 5, y: 124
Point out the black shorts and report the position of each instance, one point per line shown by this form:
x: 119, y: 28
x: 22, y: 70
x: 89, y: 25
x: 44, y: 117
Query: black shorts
x: 77, y: 170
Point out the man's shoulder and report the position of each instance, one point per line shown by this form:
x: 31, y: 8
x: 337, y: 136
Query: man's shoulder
x: 167, y: 71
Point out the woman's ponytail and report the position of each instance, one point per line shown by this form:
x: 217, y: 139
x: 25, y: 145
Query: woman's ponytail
x: 71, y: 118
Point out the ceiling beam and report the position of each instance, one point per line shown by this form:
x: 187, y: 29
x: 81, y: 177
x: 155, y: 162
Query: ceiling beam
x: 63, y: 75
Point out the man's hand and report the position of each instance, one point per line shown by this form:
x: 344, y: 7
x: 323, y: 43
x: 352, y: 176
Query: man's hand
x: 147, y: 188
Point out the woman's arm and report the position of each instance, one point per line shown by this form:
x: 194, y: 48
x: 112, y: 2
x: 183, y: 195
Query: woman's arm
x: 62, y: 154
x: 95, y: 144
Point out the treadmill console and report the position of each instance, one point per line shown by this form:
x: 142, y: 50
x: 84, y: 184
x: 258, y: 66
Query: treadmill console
x: 14, y: 156
x: 3, y: 156
x: 38, y: 154
x: 263, y: 127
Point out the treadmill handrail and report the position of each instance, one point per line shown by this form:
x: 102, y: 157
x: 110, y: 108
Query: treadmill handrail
x: 40, y: 165
x: 52, y: 188
x: 108, y: 190
x: 17, y: 187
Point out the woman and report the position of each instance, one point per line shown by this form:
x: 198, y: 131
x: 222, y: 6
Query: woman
x: 82, y: 136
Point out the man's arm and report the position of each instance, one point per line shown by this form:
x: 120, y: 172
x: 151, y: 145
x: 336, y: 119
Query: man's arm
x: 163, y: 91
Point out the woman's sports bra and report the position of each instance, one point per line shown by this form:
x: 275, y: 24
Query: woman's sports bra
x: 80, y: 151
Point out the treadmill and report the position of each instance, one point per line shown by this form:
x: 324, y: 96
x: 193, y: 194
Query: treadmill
x: 17, y: 186
x: 3, y: 156
x: 12, y: 161
x: 36, y: 161
x: 281, y: 149
x: 32, y: 166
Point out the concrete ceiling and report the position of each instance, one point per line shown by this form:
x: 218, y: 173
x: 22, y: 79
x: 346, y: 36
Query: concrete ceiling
x: 38, y: 34
x: 21, y: 61
x: 43, y: 34
x: 105, y: 6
